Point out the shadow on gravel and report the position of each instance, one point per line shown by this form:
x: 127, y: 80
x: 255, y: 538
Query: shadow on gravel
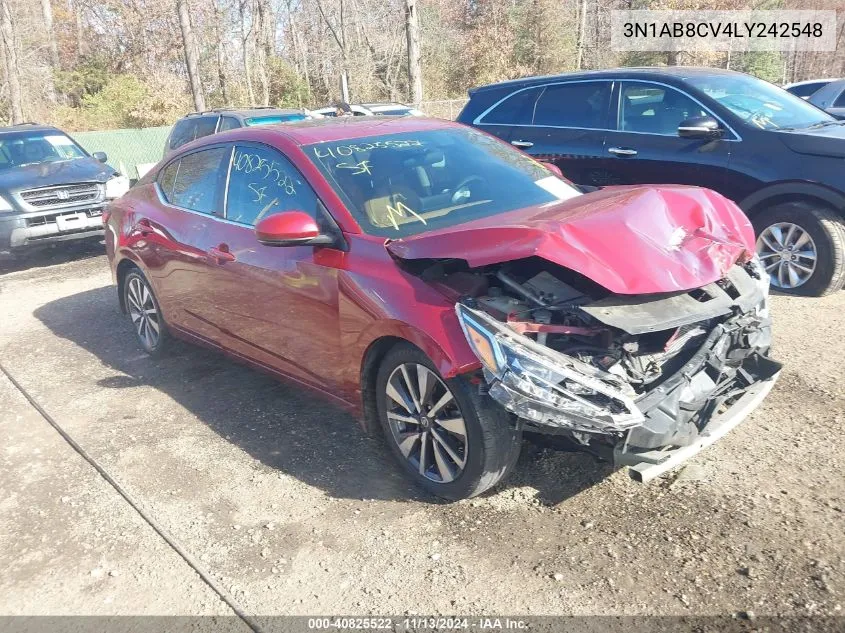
x: 280, y: 424
x: 59, y: 253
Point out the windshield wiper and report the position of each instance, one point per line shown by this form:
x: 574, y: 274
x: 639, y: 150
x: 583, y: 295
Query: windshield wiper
x: 820, y: 124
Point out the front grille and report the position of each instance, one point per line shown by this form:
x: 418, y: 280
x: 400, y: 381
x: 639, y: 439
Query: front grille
x: 62, y: 195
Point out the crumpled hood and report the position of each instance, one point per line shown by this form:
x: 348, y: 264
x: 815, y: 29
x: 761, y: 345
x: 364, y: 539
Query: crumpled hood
x: 631, y: 240
x: 55, y: 173
x: 825, y: 141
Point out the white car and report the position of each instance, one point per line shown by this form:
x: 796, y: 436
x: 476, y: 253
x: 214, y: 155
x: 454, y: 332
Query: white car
x: 370, y: 109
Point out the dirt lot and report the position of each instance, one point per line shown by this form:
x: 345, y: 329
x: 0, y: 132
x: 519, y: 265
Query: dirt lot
x: 284, y: 503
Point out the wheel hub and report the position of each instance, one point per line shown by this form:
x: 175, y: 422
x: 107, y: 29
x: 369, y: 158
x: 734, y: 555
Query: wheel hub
x: 426, y: 423
x: 788, y: 253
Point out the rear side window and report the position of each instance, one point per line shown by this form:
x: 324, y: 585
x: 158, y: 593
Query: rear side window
x: 206, y: 126
x: 578, y: 105
x: 183, y: 132
x: 228, y: 123
x: 263, y: 182
x: 806, y: 90
x: 518, y: 109
x: 192, y: 181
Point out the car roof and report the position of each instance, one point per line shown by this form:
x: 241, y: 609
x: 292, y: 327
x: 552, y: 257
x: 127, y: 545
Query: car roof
x: 811, y: 81
x: 246, y: 113
x: 646, y: 72
x: 29, y: 127
x: 347, y: 128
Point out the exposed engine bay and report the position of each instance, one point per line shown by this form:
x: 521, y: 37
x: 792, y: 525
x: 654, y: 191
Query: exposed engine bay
x: 646, y: 371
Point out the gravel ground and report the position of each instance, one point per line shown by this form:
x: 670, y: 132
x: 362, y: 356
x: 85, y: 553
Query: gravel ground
x: 288, y: 506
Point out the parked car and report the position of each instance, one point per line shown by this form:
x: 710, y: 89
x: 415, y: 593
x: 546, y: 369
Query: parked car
x: 51, y: 189
x: 445, y: 287
x: 777, y: 156
x: 371, y: 109
x: 831, y: 98
x: 805, y: 89
x: 198, y: 124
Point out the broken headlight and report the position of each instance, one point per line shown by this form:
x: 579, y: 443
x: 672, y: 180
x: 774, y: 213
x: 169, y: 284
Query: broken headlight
x: 545, y: 386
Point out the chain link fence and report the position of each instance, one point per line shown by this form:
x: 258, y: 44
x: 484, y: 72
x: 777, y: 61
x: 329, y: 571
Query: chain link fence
x: 444, y: 109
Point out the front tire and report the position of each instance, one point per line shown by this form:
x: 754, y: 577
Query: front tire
x: 447, y: 438
x: 145, y: 313
x: 802, y: 247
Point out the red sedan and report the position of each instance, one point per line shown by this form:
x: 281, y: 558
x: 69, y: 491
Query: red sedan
x: 452, y: 291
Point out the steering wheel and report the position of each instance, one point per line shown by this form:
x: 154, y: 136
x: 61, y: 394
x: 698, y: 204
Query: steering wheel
x: 462, y: 190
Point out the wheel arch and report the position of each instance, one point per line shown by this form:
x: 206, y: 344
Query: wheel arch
x: 780, y: 193
x: 123, y: 268
x: 449, y: 362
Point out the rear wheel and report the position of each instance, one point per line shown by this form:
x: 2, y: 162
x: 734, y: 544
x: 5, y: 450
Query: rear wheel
x: 802, y: 247
x: 447, y: 438
x: 143, y: 309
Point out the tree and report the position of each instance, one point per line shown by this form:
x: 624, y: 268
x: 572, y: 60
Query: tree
x: 191, y: 56
x: 412, y: 27
x: 10, y: 56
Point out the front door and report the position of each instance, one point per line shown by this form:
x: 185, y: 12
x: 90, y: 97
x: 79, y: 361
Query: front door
x: 275, y: 305
x: 645, y: 147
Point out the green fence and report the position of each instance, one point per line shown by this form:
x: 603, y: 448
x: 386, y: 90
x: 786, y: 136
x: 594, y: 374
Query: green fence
x: 126, y: 149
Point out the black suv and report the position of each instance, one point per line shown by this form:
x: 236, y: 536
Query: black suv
x: 51, y: 189
x: 198, y: 124
x: 779, y: 157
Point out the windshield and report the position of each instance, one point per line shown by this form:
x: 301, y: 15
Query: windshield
x: 760, y: 103
x: 276, y: 118
x: 30, y: 148
x: 402, y: 184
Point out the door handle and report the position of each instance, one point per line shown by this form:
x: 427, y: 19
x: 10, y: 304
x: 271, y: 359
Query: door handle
x: 622, y: 151
x: 522, y: 144
x: 220, y: 254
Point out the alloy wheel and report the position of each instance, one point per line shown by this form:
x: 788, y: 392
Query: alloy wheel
x: 788, y: 253
x: 144, y: 313
x: 426, y: 422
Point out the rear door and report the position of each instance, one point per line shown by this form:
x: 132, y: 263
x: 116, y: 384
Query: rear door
x: 563, y: 123
x: 645, y: 146
x: 171, y: 234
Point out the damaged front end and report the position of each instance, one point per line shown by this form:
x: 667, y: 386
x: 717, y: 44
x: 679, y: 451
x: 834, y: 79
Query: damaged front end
x: 644, y: 380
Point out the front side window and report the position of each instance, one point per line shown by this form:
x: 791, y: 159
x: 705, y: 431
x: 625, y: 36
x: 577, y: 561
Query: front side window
x: 32, y: 148
x: 840, y: 100
x: 263, y: 182
x: 654, y: 109
x: 759, y: 103
x: 397, y: 185
x: 191, y: 181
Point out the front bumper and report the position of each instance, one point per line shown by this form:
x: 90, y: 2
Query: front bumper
x: 646, y: 466
x: 712, y: 392
x: 19, y: 231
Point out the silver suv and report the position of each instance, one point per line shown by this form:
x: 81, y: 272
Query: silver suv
x: 51, y: 189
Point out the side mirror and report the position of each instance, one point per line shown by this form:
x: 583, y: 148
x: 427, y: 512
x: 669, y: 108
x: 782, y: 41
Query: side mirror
x: 704, y: 127
x: 101, y: 156
x: 291, y: 228
x: 552, y: 168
